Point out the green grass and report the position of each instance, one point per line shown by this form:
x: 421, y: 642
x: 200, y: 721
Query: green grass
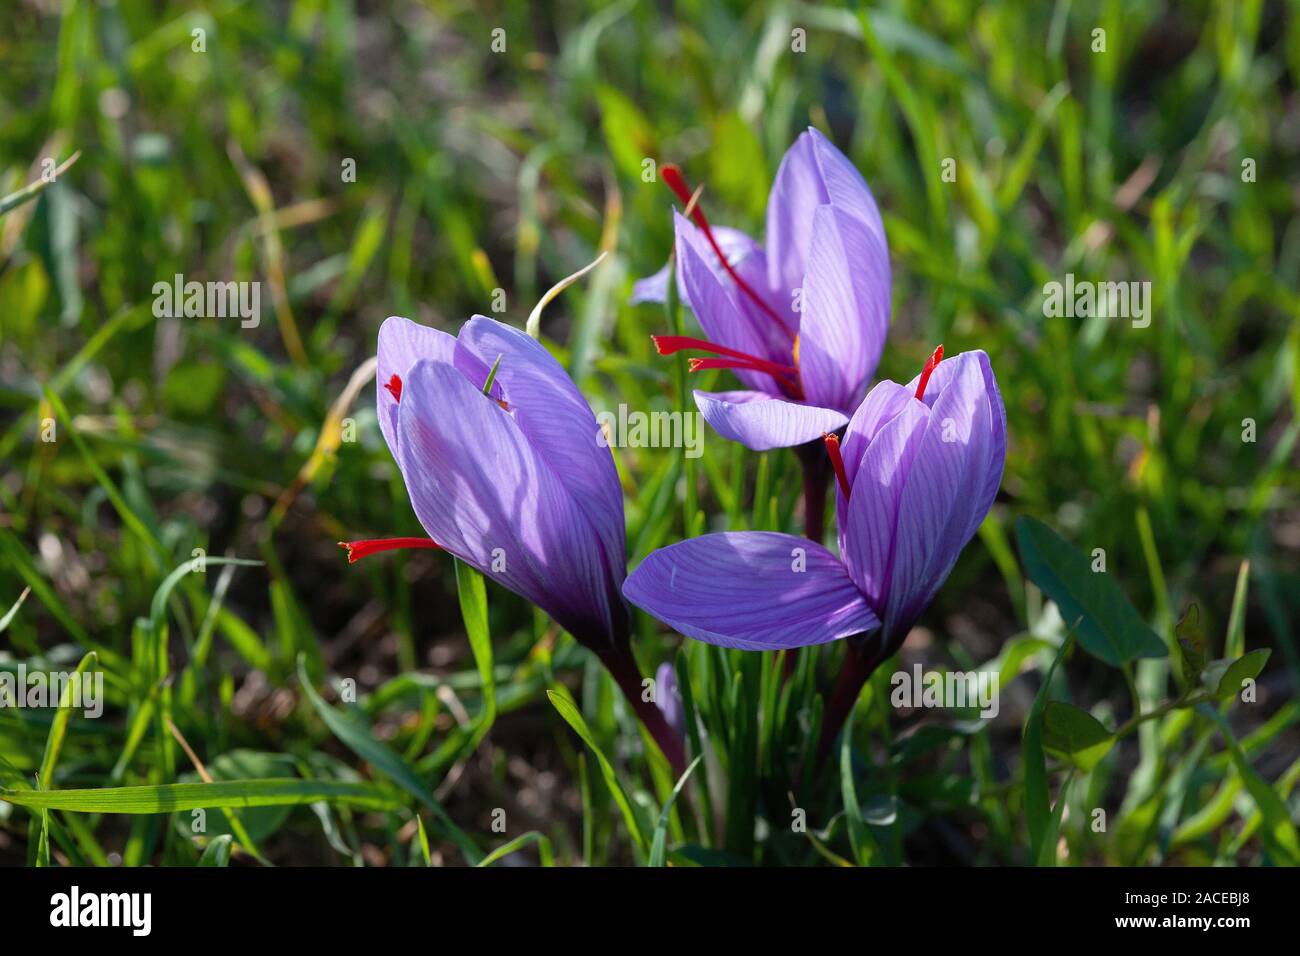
x: 479, y: 170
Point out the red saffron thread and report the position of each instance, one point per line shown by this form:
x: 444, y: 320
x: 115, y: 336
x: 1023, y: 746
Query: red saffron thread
x: 931, y: 363
x: 363, y: 549
x: 672, y: 176
x: 767, y: 368
x: 394, y: 386
x: 837, y: 462
x: 734, y: 359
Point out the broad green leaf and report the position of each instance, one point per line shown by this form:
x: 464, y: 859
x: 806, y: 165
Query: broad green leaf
x: 1191, y: 638
x: 1074, y: 735
x: 1231, y: 676
x: 1109, y: 627
x: 170, y: 797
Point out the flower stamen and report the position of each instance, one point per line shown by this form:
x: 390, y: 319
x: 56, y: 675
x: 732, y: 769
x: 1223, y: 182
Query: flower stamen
x: 672, y: 176
x: 931, y: 363
x: 786, y: 375
x: 837, y: 462
x: 363, y: 549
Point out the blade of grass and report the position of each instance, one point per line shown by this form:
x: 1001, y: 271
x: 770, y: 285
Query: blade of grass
x: 473, y: 608
x: 170, y: 797
x: 359, y: 739
x: 59, y: 726
x: 658, y: 844
x: 1037, y: 798
x: 32, y: 190
x: 544, y: 850
x: 569, y: 711
x: 217, y: 852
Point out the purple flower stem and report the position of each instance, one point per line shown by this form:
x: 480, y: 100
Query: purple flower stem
x: 858, y: 667
x: 622, y: 666
x: 816, y: 476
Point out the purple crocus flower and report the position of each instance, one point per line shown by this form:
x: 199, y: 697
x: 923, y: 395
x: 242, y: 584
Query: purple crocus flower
x: 669, y: 699
x: 512, y: 480
x: 919, y: 469
x: 802, y: 323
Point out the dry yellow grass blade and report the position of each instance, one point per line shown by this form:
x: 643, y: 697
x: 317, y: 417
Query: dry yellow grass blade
x: 331, y: 436
x: 259, y: 192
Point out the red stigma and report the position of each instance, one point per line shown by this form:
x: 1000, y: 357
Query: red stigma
x: 674, y: 180
x: 837, y: 462
x: 787, y: 376
x: 363, y: 549
x: 935, y: 358
x: 395, y: 387
x: 672, y: 177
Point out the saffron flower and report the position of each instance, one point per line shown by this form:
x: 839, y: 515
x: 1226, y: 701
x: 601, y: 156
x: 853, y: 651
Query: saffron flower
x: 917, y: 472
x: 501, y: 461
x: 803, y: 322
x: 669, y: 699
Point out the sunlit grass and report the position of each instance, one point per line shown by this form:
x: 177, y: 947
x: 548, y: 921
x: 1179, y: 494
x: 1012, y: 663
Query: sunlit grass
x: 128, y: 441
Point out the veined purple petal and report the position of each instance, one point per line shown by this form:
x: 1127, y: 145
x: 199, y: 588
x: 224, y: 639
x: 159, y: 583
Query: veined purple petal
x: 760, y: 422
x: 717, y: 304
x: 473, y: 367
x: 652, y: 288
x: 942, y: 375
x: 485, y: 492
x: 882, y: 403
x: 750, y: 263
x: 744, y: 254
x: 796, y: 192
x: 845, y: 187
x: 845, y: 309
x: 557, y: 420
x: 754, y: 590
x: 402, y: 343
x: 950, y: 487
x: 813, y: 173
x: 669, y: 699
x: 868, y: 520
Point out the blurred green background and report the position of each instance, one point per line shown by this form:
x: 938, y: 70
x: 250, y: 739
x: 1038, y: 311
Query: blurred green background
x: 1169, y: 157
